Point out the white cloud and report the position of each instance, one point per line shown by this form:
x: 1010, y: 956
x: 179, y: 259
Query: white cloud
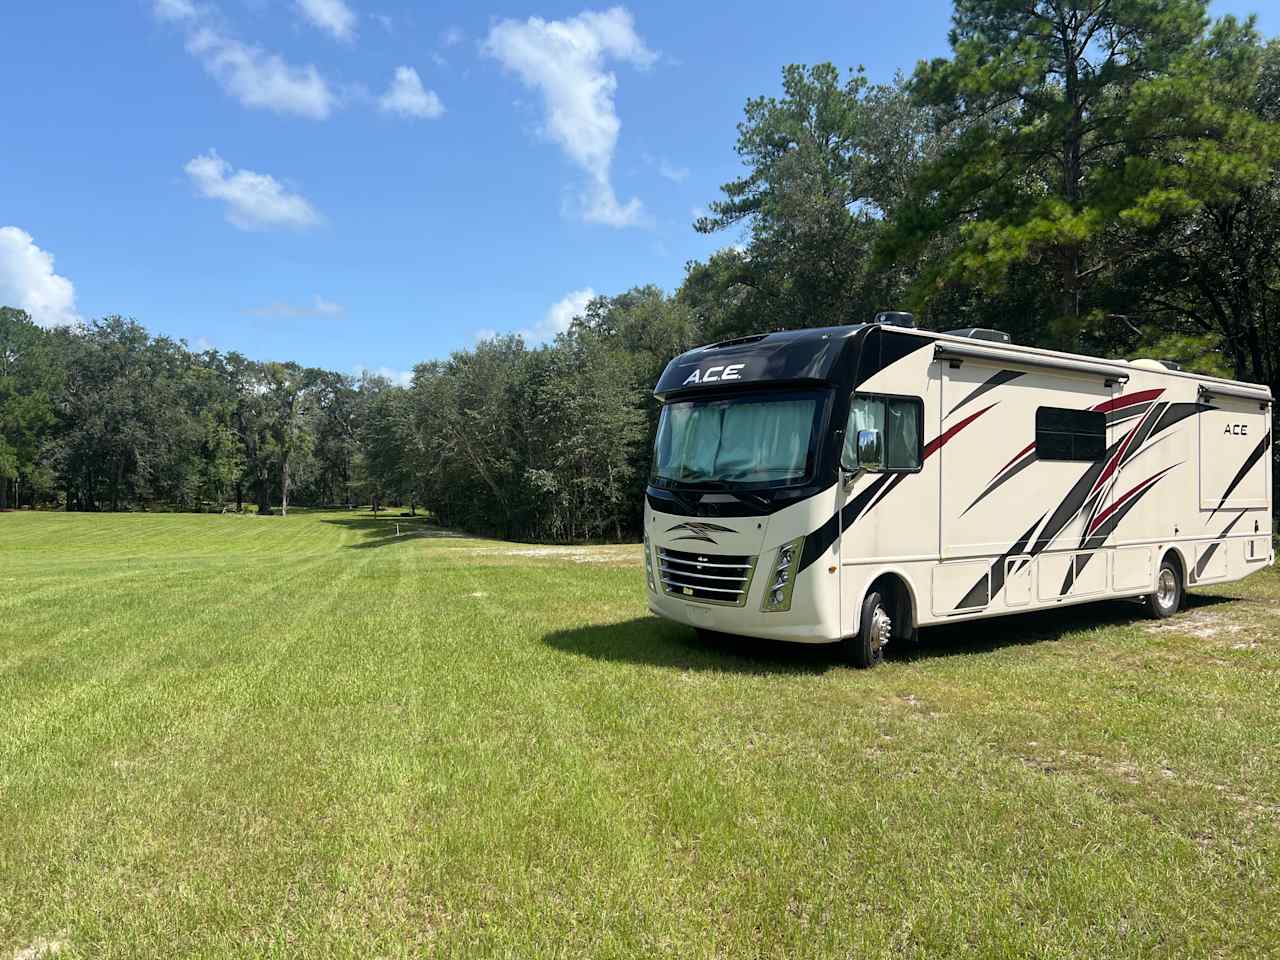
x: 174, y: 9
x: 564, y: 60
x: 327, y: 308
x: 258, y: 78
x: 333, y: 16
x: 556, y: 320
x: 666, y: 168
x: 254, y: 200
x: 407, y: 97
x: 401, y: 378
x: 255, y: 77
x: 319, y: 307
x: 452, y: 37
x: 561, y: 313
x: 672, y: 172
x: 27, y: 281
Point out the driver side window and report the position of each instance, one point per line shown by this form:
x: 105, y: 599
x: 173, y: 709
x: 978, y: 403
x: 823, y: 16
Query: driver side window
x: 898, y: 422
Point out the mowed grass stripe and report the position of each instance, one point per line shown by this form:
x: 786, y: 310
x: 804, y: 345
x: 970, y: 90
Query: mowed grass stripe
x: 429, y: 746
x: 124, y: 641
x: 159, y: 789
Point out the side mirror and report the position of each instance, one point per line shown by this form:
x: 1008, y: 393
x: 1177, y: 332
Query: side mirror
x: 870, y: 450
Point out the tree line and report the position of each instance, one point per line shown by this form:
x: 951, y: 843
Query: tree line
x: 1094, y: 175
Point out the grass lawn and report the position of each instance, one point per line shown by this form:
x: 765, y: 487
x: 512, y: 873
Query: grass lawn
x: 309, y: 737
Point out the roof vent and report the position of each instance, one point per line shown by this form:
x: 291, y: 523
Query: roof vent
x: 1148, y: 364
x: 895, y: 318
x: 980, y: 333
x: 735, y: 341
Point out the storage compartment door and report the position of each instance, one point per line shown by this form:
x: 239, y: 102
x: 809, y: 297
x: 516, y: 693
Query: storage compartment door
x: 961, y: 587
x: 1017, y: 581
x: 1133, y: 569
x: 1211, y: 561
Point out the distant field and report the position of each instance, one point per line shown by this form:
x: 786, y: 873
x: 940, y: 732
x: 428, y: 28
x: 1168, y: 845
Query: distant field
x: 306, y: 736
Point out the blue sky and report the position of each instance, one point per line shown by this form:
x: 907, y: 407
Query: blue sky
x: 373, y: 183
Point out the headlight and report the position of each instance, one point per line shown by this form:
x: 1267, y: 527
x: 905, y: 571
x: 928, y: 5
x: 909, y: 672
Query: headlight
x: 782, y: 579
x: 648, y: 564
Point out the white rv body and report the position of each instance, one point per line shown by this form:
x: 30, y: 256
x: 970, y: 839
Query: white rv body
x: 986, y: 522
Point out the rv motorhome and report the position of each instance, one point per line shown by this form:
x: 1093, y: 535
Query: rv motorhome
x: 851, y: 484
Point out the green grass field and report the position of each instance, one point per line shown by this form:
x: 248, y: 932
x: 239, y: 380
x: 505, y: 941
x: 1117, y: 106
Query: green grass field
x: 308, y: 737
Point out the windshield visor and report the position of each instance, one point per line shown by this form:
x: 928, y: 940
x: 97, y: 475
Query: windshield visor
x: 762, y: 440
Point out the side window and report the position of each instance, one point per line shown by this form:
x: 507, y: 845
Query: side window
x: 1070, y: 434
x: 896, y: 419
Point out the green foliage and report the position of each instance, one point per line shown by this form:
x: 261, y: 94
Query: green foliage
x: 550, y: 443
x: 29, y: 383
x: 826, y: 163
x: 1075, y: 124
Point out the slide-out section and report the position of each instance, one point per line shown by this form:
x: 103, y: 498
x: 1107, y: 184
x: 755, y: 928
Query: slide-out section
x: 1235, y: 456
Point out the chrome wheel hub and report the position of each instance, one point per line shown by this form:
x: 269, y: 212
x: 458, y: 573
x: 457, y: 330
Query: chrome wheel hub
x: 1166, y: 589
x: 881, y: 629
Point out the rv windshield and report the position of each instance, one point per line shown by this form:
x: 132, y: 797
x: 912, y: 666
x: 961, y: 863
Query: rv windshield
x: 765, y: 439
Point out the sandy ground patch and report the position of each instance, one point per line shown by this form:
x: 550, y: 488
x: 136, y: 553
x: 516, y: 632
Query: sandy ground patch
x: 1202, y: 624
x: 624, y: 553
x: 39, y: 948
x: 1206, y: 625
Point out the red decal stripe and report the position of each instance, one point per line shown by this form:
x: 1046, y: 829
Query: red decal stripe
x: 936, y: 444
x: 1115, y: 457
x: 1120, y: 501
x: 1128, y: 400
x: 1017, y: 456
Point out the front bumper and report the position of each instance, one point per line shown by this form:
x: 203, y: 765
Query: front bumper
x: 803, y: 623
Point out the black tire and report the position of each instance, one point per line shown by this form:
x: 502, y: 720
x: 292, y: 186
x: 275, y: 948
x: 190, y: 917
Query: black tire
x: 867, y: 648
x: 1169, y: 594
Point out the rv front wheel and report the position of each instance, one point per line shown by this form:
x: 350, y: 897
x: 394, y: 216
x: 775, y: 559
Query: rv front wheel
x: 1168, y: 594
x: 867, y: 648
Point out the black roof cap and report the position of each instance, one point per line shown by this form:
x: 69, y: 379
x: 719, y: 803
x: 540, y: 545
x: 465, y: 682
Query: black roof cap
x: 788, y: 355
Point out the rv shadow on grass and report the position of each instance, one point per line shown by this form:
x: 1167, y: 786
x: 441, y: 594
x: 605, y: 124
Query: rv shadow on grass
x: 1039, y: 626
x: 660, y: 643
x: 657, y: 642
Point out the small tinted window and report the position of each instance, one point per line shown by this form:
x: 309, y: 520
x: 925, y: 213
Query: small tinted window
x: 1063, y: 434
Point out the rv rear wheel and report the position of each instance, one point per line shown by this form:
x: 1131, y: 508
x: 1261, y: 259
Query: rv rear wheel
x: 867, y: 648
x: 1168, y: 594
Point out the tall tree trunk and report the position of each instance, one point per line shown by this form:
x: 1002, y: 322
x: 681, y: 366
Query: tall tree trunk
x: 1069, y: 302
x: 263, y: 493
x: 116, y: 476
x: 284, y: 486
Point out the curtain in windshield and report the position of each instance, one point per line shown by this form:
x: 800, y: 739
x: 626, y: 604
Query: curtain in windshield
x: 740, y: 441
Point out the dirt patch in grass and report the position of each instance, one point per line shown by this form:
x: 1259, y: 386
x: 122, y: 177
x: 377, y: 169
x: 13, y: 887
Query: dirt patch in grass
x: 626, y: 553
x: 1204, y: 624
x: 1074, y: 764
x: 1245, y: 625
x: 39, y: 948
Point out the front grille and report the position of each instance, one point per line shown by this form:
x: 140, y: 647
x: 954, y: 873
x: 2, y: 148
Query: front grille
x: 707, y: 577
